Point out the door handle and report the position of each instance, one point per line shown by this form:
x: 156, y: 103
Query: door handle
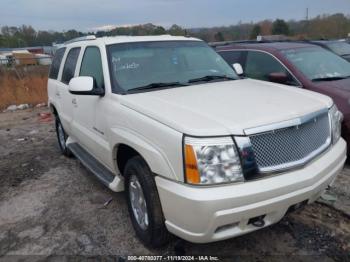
x: 74, y: 101
x: 58, y: 94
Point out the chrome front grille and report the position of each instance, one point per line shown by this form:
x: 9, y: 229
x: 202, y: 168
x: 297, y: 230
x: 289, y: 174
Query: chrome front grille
x: 292, y: 146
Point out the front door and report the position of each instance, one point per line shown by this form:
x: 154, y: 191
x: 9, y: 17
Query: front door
x: 88, y: 124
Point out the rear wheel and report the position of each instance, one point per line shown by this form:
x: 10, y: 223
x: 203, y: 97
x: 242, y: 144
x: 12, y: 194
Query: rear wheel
x: 62, y: 138
x: 143, y: 203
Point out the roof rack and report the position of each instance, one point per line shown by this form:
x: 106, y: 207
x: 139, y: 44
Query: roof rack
x: 258, y: 40
x: 215, y: 44
x: 83, y: 38
x: 218, y: 44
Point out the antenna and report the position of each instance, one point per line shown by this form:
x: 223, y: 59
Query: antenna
x: 307, y: 14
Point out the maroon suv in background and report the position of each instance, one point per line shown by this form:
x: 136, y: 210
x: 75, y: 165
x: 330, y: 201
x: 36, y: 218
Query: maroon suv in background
x: 296, y: 64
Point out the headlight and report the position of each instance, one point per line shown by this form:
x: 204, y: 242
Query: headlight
x: 336, y: 119
x: 211, y: 161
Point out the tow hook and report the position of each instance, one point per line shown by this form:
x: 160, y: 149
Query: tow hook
x: 258, y: 221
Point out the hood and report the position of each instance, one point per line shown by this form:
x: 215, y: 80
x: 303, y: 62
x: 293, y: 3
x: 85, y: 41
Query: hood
x: 343, y: 84
x: 225, y: 108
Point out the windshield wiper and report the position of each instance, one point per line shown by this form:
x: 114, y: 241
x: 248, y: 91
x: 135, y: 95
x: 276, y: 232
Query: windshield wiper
x: 157, y: 85
x: 209, y: 78
x: 331, y: 78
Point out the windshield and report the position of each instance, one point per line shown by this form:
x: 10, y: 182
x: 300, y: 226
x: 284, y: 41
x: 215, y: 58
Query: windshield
x: 165, y: 63
x: 340, y: 48
x: 317, y: 63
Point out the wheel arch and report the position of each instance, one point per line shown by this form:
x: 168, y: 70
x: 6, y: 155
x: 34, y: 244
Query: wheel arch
x: 53, y: 109
x: 130, y: 144
x: 124, y: 153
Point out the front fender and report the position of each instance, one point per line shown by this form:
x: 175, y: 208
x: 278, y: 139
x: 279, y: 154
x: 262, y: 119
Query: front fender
x: 155, y: 157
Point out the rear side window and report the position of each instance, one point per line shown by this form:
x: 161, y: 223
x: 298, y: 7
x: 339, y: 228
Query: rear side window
x: 70, y: 64
x: 232, y: 57
x: 260, y: 65
x: 92, y: 66
x: 56, y: 62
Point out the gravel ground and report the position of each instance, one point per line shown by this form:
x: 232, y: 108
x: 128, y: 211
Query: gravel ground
x: 52, y: 208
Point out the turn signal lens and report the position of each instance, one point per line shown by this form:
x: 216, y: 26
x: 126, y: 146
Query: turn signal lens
x: 192, y: 173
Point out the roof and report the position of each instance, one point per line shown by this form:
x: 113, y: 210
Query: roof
x: 268, y: 45
x: 130, y: 39
x: 326, y: 42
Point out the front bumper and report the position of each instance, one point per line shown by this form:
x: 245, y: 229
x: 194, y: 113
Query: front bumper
x: 207, y: 214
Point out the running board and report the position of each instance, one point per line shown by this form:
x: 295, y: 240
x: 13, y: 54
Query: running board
x: 102, y: 173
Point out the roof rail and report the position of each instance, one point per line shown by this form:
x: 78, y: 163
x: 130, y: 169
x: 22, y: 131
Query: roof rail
x: 223, y: 43
x: 218, y: 44
x: 83, y: 38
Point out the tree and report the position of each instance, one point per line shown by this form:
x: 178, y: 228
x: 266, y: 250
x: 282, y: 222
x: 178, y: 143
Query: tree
x: 2, y: 40
x: 26, y: 35
x: 45, y: 38
x: 159, y: 30
x: 256, y: 31
x: 219, y: 37
x: 176, y: 30
x: 280, y: 27
x: 266, y: 27
x: 71, y: 34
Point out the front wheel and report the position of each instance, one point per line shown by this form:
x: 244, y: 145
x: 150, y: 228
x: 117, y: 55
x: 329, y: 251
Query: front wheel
x: 143, y: 203
x: 62, y: 138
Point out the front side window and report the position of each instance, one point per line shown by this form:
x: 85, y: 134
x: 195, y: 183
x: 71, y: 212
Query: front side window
x: 134, y: 65
x: 260, y: 65
x: 56, y: 63
x: 318, y: 64
x: 70, y: 64
x: 92, y: 66
x: 232, y: 57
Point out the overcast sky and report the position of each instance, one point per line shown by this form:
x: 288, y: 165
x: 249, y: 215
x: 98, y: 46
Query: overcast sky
x: 87, y: 15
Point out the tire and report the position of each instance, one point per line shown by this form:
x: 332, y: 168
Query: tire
x: 62, y: 138
x: 154, y: 233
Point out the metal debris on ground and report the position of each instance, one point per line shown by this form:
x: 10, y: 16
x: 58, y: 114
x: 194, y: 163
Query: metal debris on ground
x: 33, y: 132
x: 107, y: 202
x: 40, y: 105
x: 23, y: 106
x: 13, y: 108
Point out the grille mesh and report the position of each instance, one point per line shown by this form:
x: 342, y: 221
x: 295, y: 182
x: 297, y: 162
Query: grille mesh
x: 287, y: 147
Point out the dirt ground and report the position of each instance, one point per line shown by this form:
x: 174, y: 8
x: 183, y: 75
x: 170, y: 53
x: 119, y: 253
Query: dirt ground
x: 51, y: 206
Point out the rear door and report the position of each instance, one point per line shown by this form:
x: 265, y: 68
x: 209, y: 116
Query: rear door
x: 66, y: 98
x: 53, y: 94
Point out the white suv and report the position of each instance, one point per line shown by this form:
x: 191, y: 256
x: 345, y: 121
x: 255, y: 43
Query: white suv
x: 200, y: 152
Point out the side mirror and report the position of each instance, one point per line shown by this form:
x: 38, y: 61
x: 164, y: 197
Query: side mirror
x: 278, y: 77
x: 238, y: 68
x: 84, y: 85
